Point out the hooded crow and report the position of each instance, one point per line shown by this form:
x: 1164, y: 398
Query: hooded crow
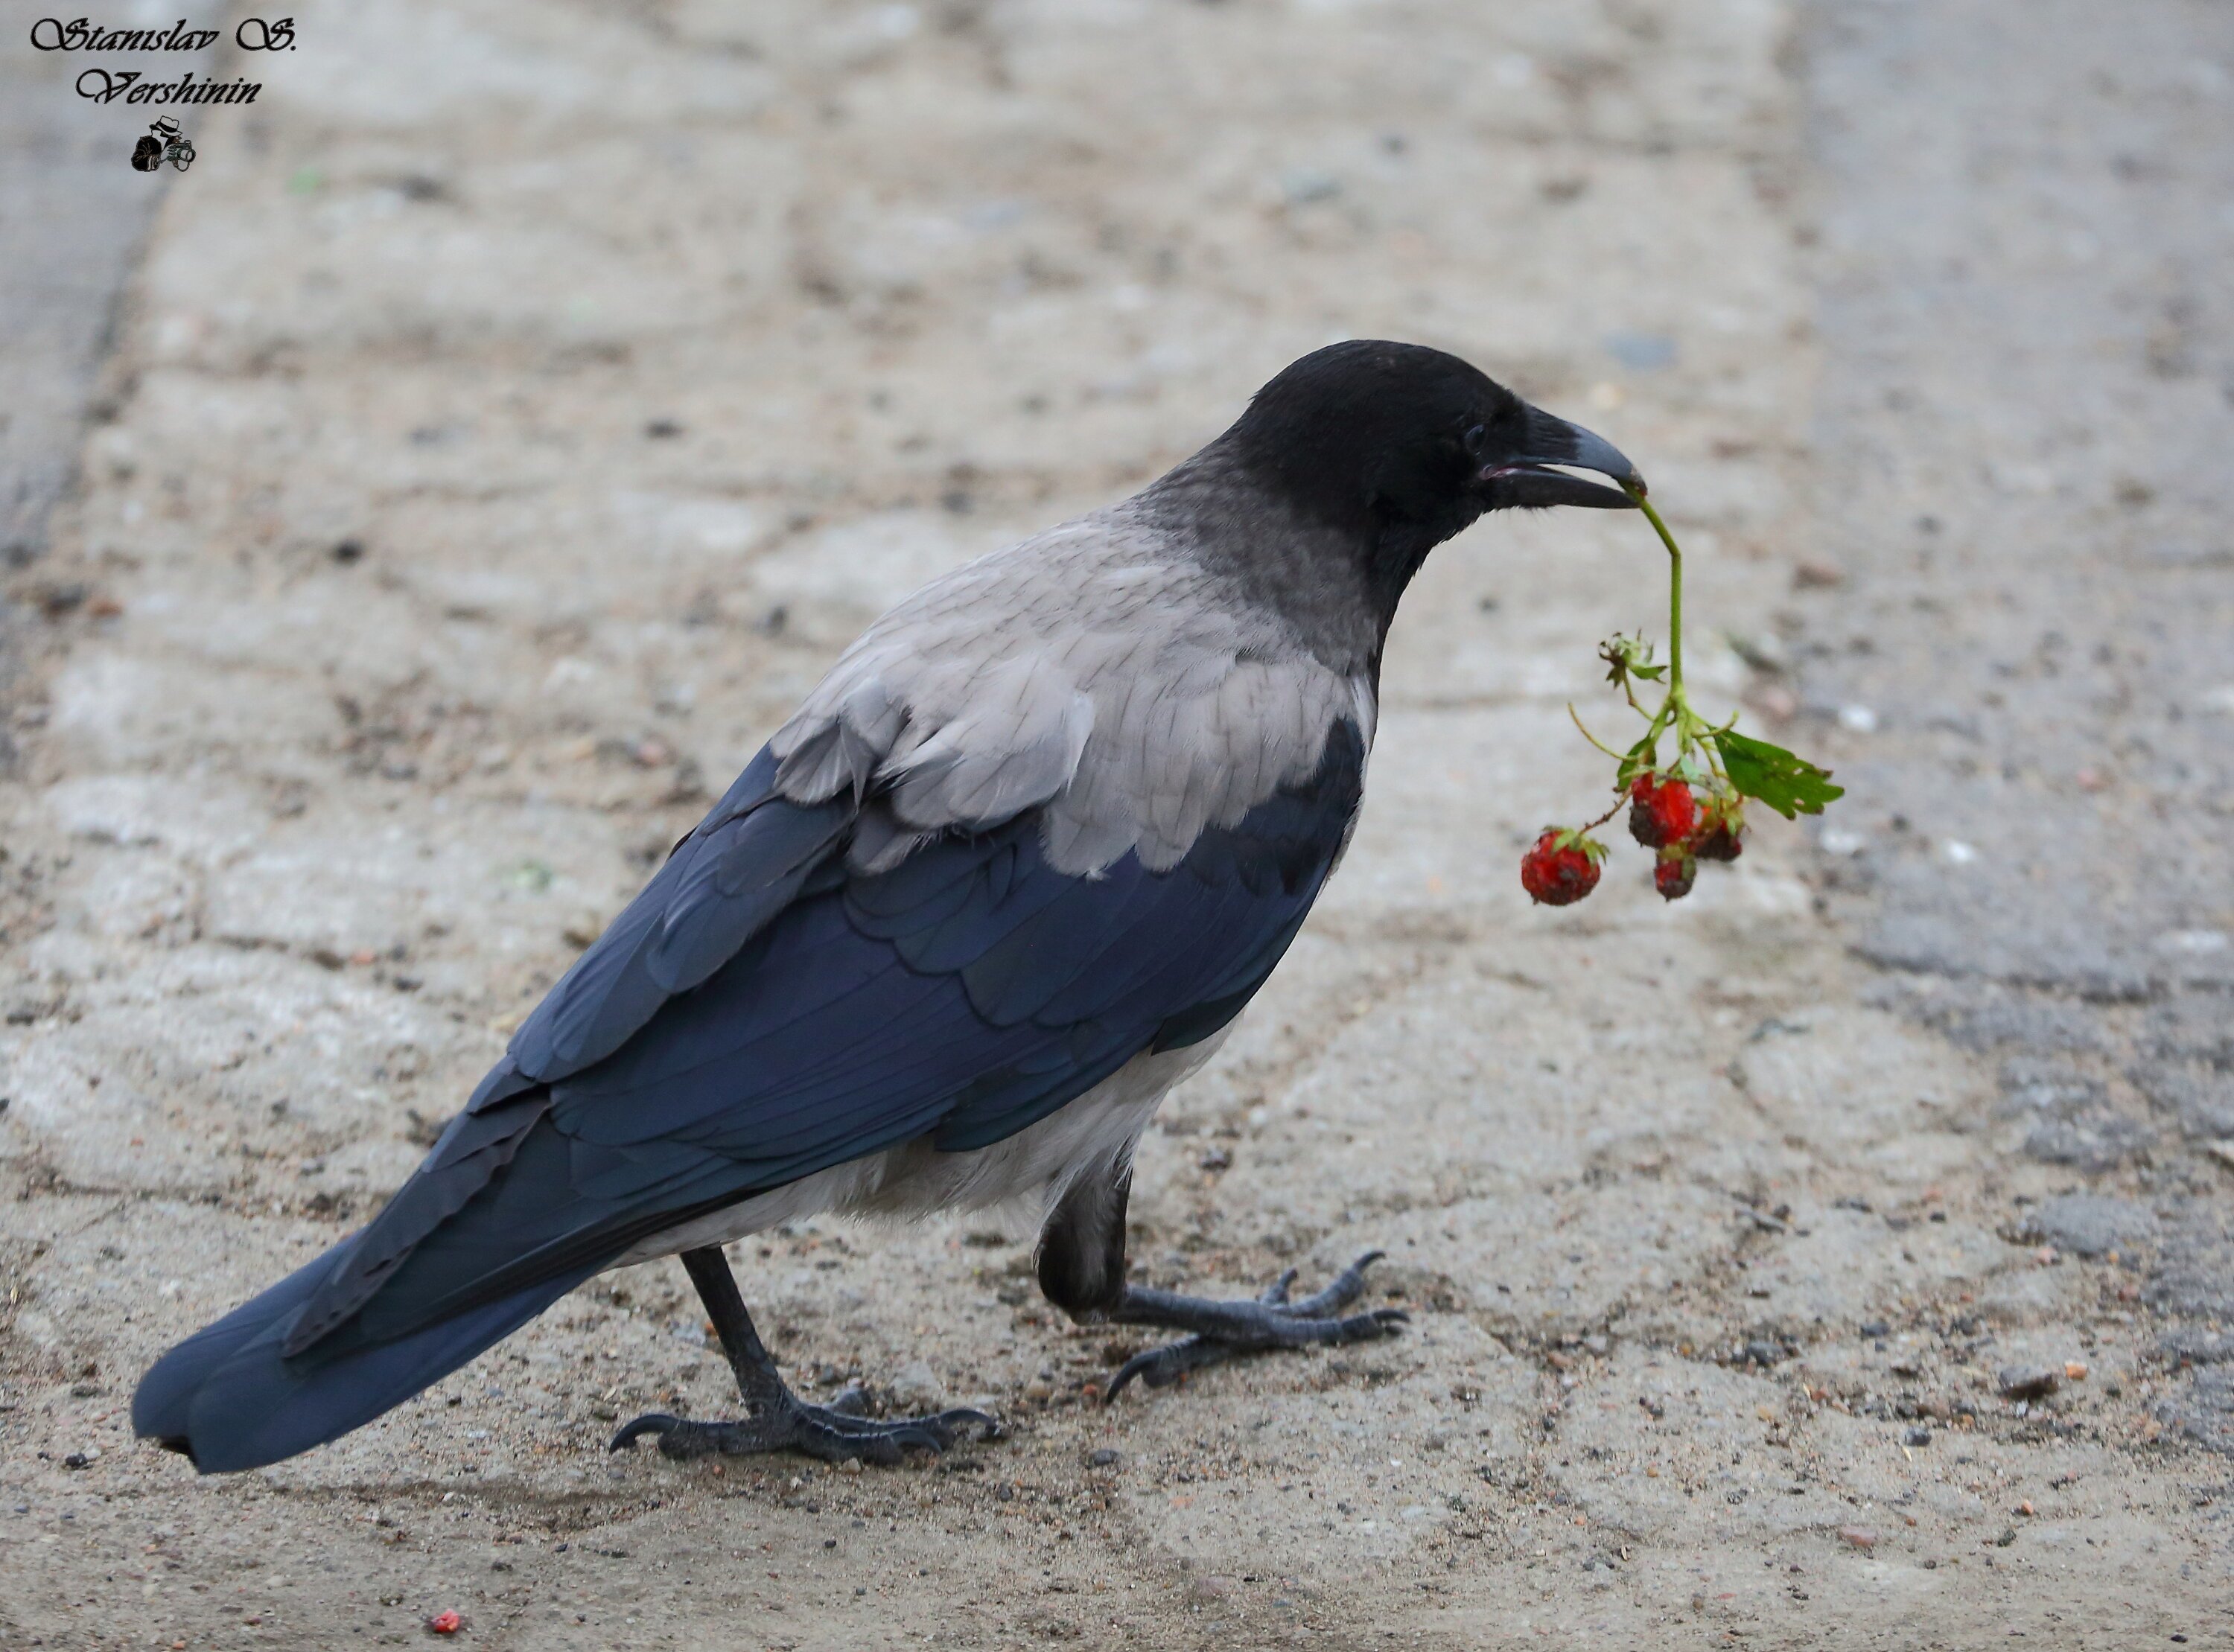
x: 1006, y: 878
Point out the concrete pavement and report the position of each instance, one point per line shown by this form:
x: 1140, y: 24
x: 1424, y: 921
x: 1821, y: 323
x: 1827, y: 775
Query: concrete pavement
x: 519, y: 406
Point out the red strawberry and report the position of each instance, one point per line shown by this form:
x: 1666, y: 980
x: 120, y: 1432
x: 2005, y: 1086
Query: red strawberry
x: 1660, y: 811
x: 1561, y: 868
x: 1672, y: 875
x: 1722, y: 824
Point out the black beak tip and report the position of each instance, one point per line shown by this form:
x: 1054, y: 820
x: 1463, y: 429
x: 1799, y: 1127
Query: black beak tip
x: 1622, y: 496
x: 1555, y: 441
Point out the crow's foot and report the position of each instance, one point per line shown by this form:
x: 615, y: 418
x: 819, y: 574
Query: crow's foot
x: 777, y: 1418
x: 834, y: 1433
x: 1222, y: 1330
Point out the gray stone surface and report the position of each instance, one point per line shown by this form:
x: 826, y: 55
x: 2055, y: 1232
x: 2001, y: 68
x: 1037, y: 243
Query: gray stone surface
x: 2043, y: 671
x: 2195, y: 1278
x: 2089, y: 1224
x: 2026, y: 374
x: 522, y: 405
x: 2204, y: 1409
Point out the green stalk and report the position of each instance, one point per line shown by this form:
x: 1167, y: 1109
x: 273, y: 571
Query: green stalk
x: 1675, y: 592
x: 1691, y: 734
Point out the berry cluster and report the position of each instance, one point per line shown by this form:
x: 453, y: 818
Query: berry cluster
x: 1690, y: 809
x: 1664, y: 815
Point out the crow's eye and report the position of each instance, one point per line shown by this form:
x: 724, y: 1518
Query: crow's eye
x: 1475, y: 438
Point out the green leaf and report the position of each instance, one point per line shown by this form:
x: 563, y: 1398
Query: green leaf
x: 1642, y: 756
x: 1649, y: 673
x: 1788, y: 784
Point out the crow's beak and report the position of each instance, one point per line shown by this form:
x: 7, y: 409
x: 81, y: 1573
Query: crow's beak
x: 1528, y: 479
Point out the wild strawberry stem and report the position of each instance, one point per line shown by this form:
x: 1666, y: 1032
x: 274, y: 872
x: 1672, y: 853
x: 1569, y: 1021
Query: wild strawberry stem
x: 1674, y: 591
x: 1593, y: 738
x: 1691, y: 730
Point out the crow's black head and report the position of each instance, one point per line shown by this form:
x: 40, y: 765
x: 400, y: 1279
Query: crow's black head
x: 1402, y: 447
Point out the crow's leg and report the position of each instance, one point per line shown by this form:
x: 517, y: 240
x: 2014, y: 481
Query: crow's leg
x: 1082, y: 1266
x: 778, y: 1419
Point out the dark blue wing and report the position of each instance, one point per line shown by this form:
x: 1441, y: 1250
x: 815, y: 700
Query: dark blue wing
x: 961, y: 997
x: 759, y: 1013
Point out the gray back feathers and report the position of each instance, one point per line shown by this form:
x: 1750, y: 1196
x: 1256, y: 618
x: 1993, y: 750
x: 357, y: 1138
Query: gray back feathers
x: 1098, y: 670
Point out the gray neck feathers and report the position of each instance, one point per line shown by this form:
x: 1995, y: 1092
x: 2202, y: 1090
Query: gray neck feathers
x: 1307, y: 574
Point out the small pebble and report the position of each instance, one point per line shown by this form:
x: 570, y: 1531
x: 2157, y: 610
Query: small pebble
x: 915, y: 1387
x: 2028, y: 1381
x: 1104, y: 1457
x: 1860, y: 1537
x: 1917, y: 1437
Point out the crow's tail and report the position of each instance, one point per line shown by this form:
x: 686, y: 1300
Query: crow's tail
x: 231, y: 1398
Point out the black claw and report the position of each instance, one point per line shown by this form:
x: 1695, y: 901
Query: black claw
x: 652, y: 1423
x: 1160, y: 1368
x: 1344, y: 1289
x: 1137, y: 1366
